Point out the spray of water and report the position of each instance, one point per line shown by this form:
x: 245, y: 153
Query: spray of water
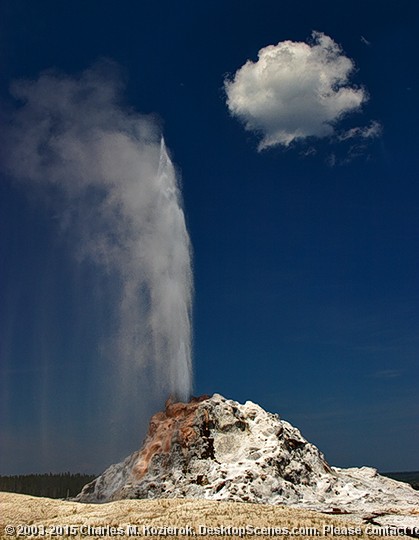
x: 109, y: 172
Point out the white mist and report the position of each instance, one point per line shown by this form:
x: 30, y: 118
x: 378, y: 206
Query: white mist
x: 117, y: 192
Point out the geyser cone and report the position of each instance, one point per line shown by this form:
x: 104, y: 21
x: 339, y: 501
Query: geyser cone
x: 214, y: 448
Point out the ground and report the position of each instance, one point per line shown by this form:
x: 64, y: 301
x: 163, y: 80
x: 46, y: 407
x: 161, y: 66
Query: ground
x: 23, y: 515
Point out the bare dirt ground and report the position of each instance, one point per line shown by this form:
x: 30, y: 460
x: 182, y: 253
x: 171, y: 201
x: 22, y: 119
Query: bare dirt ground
x: 36, y: 517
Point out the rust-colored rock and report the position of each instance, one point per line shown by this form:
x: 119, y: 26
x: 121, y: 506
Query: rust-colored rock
x: 176, y: 424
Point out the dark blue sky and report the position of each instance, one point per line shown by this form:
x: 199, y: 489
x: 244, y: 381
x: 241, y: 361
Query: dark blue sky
x: 306, y: 274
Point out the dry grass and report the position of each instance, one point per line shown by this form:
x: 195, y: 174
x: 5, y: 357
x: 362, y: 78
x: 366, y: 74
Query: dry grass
x: 33, y: 513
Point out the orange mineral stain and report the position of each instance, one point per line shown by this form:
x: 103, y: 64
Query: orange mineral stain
x: 177, y: 423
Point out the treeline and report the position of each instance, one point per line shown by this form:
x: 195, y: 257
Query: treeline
x: 55, y: 486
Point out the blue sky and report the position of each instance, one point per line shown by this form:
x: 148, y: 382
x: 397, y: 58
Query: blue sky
x: 305, y: 256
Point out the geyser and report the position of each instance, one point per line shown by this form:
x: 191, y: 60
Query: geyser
x: 115, y: 190
x: 216, y: 448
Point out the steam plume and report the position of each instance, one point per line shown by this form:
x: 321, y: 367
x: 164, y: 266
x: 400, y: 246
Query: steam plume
x: 110, y: 168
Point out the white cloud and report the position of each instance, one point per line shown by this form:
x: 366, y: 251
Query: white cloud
x: 388, y: 374
x: 372, y: 131
x: 295, y: 90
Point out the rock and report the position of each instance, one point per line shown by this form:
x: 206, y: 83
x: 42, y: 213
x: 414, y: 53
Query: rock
x: 214, y: 448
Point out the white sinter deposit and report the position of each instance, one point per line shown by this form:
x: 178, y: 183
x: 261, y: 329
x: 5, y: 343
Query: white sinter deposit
x: 215, y: 448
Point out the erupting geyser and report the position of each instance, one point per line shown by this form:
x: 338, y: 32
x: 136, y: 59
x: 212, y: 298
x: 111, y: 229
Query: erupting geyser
x: 171, y: 293
x: 117, y: 195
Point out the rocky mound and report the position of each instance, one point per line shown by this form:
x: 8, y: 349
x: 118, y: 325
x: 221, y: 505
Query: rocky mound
x: 214, y: 448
